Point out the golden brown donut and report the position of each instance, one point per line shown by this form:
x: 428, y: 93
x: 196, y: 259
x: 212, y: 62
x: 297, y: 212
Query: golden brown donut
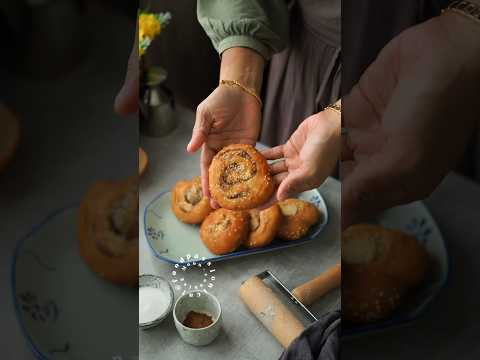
x: 108, y: 230
x: 263, y: 226
x: 298, y: 217
x: 239, y: 178
x: 380, y: 267
x: 368, y: 297
x: 188, y: 203
x: 9, y: 136
x: 223, y: 231
x: 392, y: 252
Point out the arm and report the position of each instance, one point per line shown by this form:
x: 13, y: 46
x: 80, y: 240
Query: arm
x: 245, y: 33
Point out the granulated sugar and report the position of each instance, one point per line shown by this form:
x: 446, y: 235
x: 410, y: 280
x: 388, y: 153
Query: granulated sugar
x: 153, y: 303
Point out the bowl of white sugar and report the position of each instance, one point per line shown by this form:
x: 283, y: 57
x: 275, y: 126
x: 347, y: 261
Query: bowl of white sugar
x: 155, y: 300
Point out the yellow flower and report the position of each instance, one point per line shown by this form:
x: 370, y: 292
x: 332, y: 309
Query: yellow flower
x: 149, y: 26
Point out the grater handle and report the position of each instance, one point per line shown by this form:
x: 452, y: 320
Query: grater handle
x: 312, y: 290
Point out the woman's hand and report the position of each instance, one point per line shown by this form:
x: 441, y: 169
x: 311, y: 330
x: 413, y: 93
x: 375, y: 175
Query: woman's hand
x: 410, y: 116
x: 309, y: 156
x: 229, y: 115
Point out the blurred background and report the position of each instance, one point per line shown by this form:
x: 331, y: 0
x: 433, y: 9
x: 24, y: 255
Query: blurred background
x: 62, y: 63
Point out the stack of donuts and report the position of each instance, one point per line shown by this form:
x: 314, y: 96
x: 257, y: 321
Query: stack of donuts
x: 240, y: 182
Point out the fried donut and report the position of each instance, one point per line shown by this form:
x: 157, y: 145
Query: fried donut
x: 298, y: 216
x: 377, y: 249
x: 108, y: 230
x: 263, y: 226
x: 239, y: 178
x: 381, y: 266
x: 223, y: 231
x: 188, y: 203
x: 9, y: 136
x: 369, y: 297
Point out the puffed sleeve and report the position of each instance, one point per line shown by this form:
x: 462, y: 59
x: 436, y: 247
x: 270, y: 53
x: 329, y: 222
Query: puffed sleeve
x: 261, y: 25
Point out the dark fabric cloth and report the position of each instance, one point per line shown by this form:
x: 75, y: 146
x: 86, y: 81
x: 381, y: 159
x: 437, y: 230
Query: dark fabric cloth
x: 305, y: 77
x: 320, y: 341
x: 319, y: 65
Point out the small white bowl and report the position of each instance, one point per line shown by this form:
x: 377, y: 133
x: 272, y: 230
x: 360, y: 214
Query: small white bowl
x: 202, y: 302
x: 147, y: 280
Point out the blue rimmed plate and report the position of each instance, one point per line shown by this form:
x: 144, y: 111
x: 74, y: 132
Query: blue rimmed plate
x: 65, y: 311
x: 415, y: 219
x: 170, y: 239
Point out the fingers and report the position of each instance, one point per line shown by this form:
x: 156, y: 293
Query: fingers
x: 214, y: 204
x: 126, y: 101
x: 205, y: 160
x: 270, y: 202
x: 277, y: 179
x: 203, y: 123
x: 293, y: 184
x: 273, y: 153
x: 278, y: 167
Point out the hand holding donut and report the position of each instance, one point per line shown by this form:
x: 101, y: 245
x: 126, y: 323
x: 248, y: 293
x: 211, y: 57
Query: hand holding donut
x: 308, y: 157
x: 229, y: 115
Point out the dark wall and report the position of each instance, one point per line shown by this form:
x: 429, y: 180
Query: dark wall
x: 186, y: 52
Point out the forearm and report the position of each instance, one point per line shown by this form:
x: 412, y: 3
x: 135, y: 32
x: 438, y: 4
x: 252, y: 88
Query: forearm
x: 243, y: 65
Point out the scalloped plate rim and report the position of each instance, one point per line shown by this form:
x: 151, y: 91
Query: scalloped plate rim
x: 247, y: 252
x: 13, y: 271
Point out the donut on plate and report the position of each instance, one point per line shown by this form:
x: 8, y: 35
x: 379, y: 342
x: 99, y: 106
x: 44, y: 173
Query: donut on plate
x: 108, y: 230
x: 239, y: 178
x: 188, y: 203
x: 298, y: 217
x: 264, y: 226
x: 223, y: 231
x: 380, y: 267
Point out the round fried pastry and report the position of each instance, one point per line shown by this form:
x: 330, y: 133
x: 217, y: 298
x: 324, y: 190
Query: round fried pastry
x: 188, y: 203
x: 298, y: 217
x: 108, y: 230
x: 239, y: 178
x: 223, y: 231
x: 264, y: 226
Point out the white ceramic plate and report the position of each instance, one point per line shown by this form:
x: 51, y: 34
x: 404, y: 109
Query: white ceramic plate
x: 170, y: 239
x: 65, y: 311
x: 415, y: 219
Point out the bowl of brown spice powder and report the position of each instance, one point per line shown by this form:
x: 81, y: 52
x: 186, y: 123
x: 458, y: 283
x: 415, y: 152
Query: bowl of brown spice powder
x: 197, y: 316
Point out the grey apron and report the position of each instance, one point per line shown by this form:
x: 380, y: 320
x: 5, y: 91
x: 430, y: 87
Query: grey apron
x: 305, y: 77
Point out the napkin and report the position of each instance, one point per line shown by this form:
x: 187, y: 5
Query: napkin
x: 320, y: 341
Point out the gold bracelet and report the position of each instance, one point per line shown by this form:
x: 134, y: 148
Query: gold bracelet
x: 465, y: 8
x: 243, y: 87
x: 337, y: 107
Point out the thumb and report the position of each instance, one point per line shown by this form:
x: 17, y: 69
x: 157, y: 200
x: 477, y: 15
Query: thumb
x: 292, y: 185
x: 203, y: 123
x: 126, y: 101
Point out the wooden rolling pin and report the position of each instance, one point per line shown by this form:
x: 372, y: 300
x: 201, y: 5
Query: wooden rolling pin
x: 272, y: 313
x: 312, y: 290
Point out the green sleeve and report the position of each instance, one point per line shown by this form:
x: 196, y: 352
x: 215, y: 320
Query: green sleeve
x: 261, y: 25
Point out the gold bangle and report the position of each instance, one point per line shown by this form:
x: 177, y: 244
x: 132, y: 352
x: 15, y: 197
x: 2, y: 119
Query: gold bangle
x: 465, y: 8
x: 243, y: 87
x: 337, y: 107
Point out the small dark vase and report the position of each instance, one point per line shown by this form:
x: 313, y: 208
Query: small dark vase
x: 157, y: 104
